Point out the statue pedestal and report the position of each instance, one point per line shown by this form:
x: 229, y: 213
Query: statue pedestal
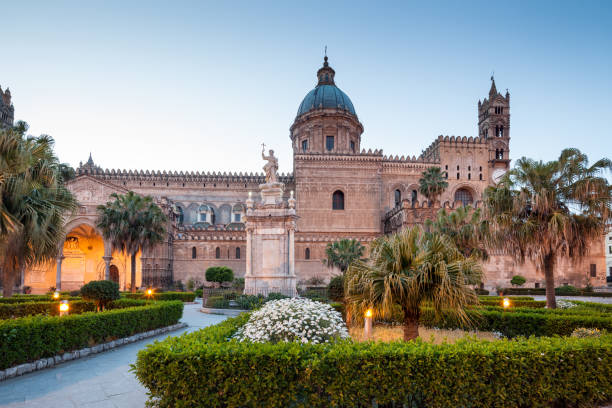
x: 270, y: 258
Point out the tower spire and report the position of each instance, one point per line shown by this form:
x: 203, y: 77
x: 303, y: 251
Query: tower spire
x: 493, y: 90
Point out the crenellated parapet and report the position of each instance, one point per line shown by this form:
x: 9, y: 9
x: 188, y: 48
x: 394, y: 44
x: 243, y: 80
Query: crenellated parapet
x: 213, y: 233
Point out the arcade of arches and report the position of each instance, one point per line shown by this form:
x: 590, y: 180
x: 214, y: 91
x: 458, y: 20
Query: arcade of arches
x: 85, y: 256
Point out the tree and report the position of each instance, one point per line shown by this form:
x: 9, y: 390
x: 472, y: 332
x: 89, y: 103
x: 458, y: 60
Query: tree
x: 101, y: 292
x: 34, y: 202
x: 342, y: 253
x: 544, y: 211
x: 132, y: 223
x: 518, y: 280
x: 407, y: 269
x: 465, y: 227
x: 432, y: 184
x: 219, y: 274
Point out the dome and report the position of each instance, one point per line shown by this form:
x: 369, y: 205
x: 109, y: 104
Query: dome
x: 326, y: 94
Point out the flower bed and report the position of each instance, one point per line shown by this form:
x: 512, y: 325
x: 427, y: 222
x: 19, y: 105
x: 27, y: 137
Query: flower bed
x: 30, y: 338
x: 295, y: 319
x: 204, y: 368
x: 182, y: 296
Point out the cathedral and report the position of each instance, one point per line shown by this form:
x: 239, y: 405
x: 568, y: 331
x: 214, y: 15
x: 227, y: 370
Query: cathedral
x: 339, y: 190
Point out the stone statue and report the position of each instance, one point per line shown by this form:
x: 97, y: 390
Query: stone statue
x: 271, y: 167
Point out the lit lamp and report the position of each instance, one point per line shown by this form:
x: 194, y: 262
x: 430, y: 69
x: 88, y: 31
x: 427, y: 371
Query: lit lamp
x: 149, y: 293
x: 506, y: 303
x: 367, y: 325
x: 56, y: 295
x: 64, y: 307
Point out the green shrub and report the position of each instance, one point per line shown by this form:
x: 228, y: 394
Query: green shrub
x: 513, y: 298
x: 516, y: 303
x: 217, y: 302
x: 582, y: 332
x: 480, y: 291
x: 35, y: 298
x: 204, y: 369
x: 100, y: 292
x: 182, y: 296
x: 249, y: 302
x: 518, y: 280
x: 22, y: 309
x: 567, y: 290
x: 199, y: 293
x: 219, y: 274
x: 30, y: 338
x: 335, y: 288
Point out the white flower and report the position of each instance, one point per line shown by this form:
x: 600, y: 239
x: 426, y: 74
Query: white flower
x: 296, y: 319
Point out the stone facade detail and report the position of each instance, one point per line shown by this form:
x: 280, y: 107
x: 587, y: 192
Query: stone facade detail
x: 339, y: 190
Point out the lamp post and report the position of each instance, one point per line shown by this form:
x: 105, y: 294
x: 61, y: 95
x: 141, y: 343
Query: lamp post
x: 367, y: 324
x: 64, y: 307
x: 506, y: 303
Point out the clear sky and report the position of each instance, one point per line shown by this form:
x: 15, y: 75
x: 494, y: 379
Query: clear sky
x: 178, y: 85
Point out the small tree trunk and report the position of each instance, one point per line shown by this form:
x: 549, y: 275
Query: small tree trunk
x: 411, y: 324
x: 133, y: 273
x: 549, y: 274
x: 8, y: 280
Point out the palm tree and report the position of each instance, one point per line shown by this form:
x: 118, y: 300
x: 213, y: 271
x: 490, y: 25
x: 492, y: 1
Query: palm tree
x: 465, y: 227
x: 132, y: 223
x: 432, y: 184
x: 544, y: 211
x: 34, y: 202
x: 342, y: 253
x: 409, y: 268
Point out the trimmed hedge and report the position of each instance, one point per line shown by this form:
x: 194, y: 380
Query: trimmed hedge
x: 182, y: 296
x: 22, y: 309
x: 519, y: 322
x: 36, y: 298
x: 30, y: 338
x: 560, y: 291
x: 204, y: 369
x: 516, y: 303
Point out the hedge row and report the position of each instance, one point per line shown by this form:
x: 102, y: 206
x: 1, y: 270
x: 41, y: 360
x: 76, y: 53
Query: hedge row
x: 516, y: 303
x: 519, y: 323
x: 30, y: 338
x: 560, y: 291
x: 182, y: 296
x: 22, y: 309
x: 204, y: 369
x: 499, y: 298
x: 35, y: 298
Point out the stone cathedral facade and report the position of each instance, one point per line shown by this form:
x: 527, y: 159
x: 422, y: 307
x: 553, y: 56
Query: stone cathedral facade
x: 340, y: 191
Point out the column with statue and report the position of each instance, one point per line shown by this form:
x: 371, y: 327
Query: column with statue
x: 270, y: 225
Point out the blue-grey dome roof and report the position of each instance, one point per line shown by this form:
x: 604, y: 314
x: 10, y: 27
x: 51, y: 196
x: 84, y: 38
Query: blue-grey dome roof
x: 326, y: 96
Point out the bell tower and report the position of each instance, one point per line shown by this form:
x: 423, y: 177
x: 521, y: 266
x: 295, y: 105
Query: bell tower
x: 494, y: 127
x: 7, y: 111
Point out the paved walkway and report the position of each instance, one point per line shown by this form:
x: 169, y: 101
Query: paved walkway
x: 98, y: 381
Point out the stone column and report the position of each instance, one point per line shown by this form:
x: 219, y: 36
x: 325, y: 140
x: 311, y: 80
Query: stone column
x: 292, y: 251
x: 58, y: 276
x: 107, y: 259
x: 249, y: 235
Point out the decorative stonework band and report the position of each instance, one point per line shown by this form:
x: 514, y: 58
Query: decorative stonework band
x: 73, y: 355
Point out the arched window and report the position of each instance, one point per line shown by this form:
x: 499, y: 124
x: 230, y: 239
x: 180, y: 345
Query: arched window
x: 194, y: 253
x: 237, y: 252
x: 414, y: 197
x: 181, y: 215
x: 464, y: 195
x: 307, y: 253
x: 338, y: 200
x: 398, y: 198
x: 218, y: 253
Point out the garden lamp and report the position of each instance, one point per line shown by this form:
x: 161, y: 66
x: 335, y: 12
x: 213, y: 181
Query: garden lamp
x: 64, y: 307
x: 367, y: 326
x: 506, y: 303
x: 56, y: 295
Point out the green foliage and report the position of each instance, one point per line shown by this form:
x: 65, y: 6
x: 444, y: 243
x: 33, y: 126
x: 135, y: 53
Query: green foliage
x: 219, y: 274
x: 518, y: 280
x: 30, y: 338
x: 202, y: 368
x: 335, y: 289
x: 22, y: 309
x: 101, y: 292
x: 217, y: 302
x: 35, y: 298
x: 408, y: 268
x: 516, y: 303
x: 567, y: 290
x: 432, y: 184
x: 582, y: 332
x: 132, y: 223
x: 182, y: 296
x: 33, y: 202
x: 238, y: 284
x: 549, y: 211
x: 341, y: 254
x: 199, y: 293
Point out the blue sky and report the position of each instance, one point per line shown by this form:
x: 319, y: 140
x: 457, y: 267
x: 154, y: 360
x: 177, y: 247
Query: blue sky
x: 200, y: 85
